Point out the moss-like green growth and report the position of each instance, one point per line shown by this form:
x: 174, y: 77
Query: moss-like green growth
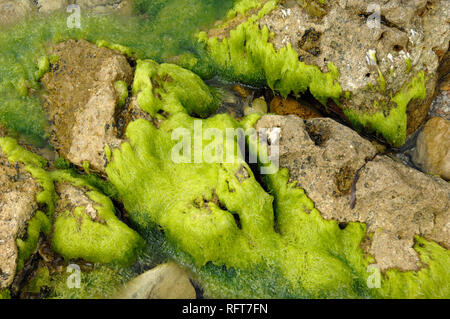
x: 393, y: 125
x: 160, y: 29
x: 75, y: 235
x: 40, y: 223
x: 248, y: 55
x: 121, y: 91
x: 171, y: 89
x: 240, y: 240
x: 5, y: 294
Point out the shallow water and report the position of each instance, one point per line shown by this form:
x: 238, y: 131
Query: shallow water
x: 162, y: 30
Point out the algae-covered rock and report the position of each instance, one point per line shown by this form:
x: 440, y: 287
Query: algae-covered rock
x: 339, y: 171
x: 166, y: 281
x: 238, y: 239
x: 432, y: 152
x: 382, y: 77
x: 86, y: 88
x: 18, y: 205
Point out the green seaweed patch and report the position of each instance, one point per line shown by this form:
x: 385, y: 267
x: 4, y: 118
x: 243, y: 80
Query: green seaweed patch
x: 5, y: 294
x: 392, y: 126
x: 122, y: 92
x: 40, y: 223
x: 74, y: 235
x: 248, y: 56
x: 106, y: 240
x: 171, y: 89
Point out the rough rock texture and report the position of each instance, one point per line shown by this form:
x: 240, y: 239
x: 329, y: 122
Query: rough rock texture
x: 104, y: 6
x: 347, y: 181
x: 72, y: 197
x: 441, y: 105
x: 432, y: 152
x: 17, y: 206
x: 13, y: 10
x: 82, y: 101
x: 290, y: 106
x: 412, y: 31
x: 167, y: 281
x: 46, y: 6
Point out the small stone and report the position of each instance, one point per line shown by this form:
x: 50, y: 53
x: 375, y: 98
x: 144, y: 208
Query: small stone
x: 260, y: 105
x: 166, y: 281
x: 432, y: 151
x: 241, y: 91
x: 291, y: 106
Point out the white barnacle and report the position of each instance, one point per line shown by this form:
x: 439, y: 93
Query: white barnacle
x: 371, y: 57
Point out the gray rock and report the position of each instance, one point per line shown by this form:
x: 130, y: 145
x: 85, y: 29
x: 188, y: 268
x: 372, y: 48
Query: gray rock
x: 17, y: 206
x: 166, y: 281
x: 82, y: 101
x: 414, y: 30
x: 432, y: 152
x: 348, y: 182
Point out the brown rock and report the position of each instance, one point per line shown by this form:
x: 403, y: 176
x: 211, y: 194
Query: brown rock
x: 432, y: 152
x: 17, y: 206
x: 166, y: 281
x: 348, y: 182
x: 82, y: 101
x: 290, y: 106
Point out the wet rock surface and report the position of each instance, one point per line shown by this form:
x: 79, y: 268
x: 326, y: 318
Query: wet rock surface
x: 104, y: 6
x: 72, y: 197
x: 12, y: 11
x: 166, y: 281
x: 291, y: 106
x: 348, y: 182
x: 82, y: 101
x: 411, y: 37
x: 17, y: 206
x: 432, y: 151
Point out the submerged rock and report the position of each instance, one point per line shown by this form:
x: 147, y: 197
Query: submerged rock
x: 348, y: 182
x: 47, y: 6
x: 18, y: 205
x: 12, y: 11
x: 82, y: 100
x: 291, y: 106
x: 432, y: 152
x: 166, y: 281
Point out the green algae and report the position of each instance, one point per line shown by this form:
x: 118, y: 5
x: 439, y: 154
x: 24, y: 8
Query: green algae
x: 122, y: 92
x: 240, y: 240
x: 393, y: 125
x: 248, y: 55
x: 40, y: 223
x: 160, y: 29
x: 5, y: 294
x: 172, y: 89
x: 73, y: 234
